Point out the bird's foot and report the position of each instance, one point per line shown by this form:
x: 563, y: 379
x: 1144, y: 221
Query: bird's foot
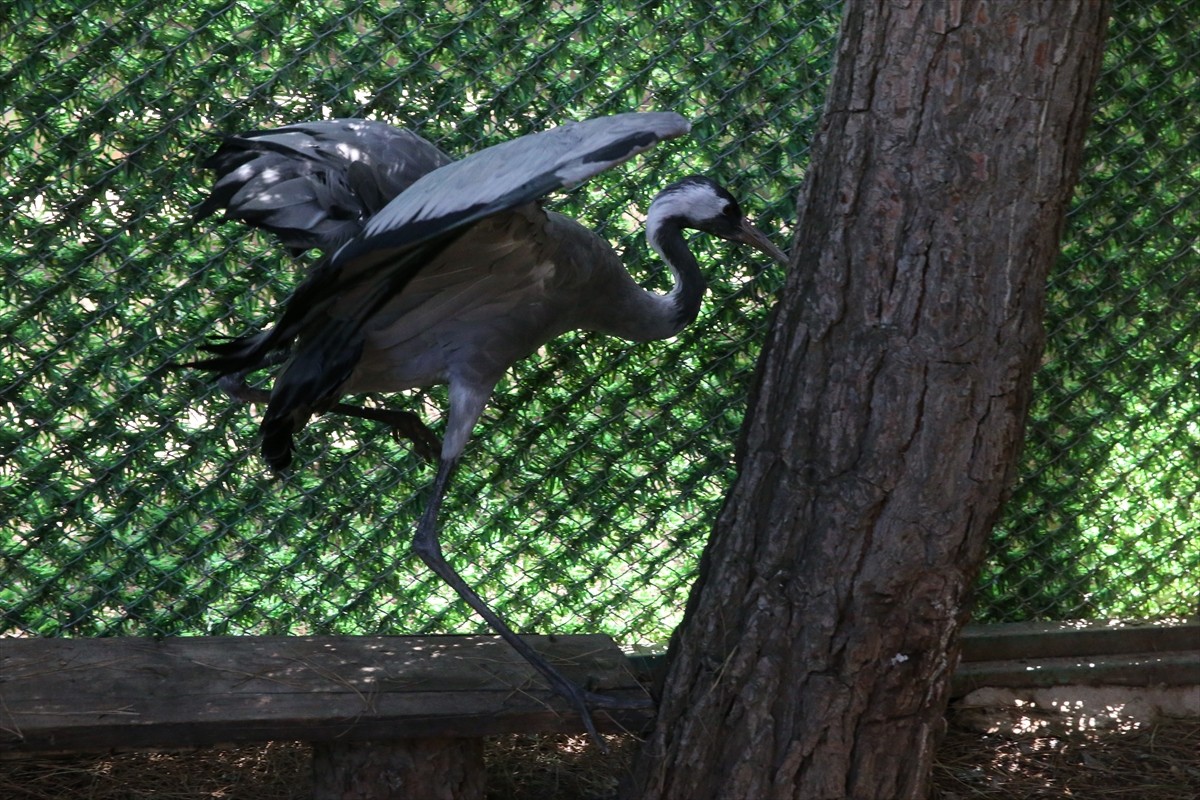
x: 425, y: 442
x: 236, y: 387
x: 584, y: 701
x: 404, y: 424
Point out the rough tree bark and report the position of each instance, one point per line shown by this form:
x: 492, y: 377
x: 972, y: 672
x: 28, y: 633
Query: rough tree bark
x: 882, y: 436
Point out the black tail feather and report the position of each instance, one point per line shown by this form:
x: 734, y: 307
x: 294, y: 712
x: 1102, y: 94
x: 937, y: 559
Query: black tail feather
x: 278, y: 439
x: 243, y: 354
x: 311, y: 382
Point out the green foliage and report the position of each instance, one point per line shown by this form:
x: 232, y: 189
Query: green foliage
x: 1103, y: 523
x: 139, y: 503
x: 133, y: 499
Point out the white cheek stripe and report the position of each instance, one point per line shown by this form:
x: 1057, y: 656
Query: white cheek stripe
x: 692, y: 201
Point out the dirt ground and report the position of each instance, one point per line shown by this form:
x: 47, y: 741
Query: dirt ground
x: 1159, y: 762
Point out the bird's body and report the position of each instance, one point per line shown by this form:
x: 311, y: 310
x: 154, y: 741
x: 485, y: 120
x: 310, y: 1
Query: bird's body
x: 457, y: 276
x: 526, y: 270
x: 505, y: 304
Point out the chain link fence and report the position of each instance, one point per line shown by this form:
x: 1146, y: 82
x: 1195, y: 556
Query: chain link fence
x: 134, y: 501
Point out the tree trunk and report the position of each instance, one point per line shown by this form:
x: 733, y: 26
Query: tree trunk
x: 883, y: 434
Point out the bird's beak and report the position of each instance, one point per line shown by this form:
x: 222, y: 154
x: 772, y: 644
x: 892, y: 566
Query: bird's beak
x: 748, y: 234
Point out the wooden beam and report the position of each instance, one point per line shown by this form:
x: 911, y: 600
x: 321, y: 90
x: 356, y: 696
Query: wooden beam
x: 1029, y: 640
x: 1106, y: 653
x: 1125, y: 669
x: 79, y: 695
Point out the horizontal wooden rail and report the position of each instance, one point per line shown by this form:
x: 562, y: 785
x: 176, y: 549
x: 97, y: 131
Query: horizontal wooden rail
x: 386, y: 712
x: 70, y: 695
x: 1039, y: 655
x: 1024, y: 640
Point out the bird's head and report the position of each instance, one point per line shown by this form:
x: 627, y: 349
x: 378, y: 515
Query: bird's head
x: 702, y: 204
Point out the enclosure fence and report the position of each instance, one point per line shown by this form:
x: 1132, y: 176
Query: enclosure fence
x: 134, y: 500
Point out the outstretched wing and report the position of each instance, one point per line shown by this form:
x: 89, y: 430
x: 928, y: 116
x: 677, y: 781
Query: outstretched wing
x: 328, y: 310
x: 315, y: 184
x: 398, y: 241
x: 510, y: 174
x: 423, y: 219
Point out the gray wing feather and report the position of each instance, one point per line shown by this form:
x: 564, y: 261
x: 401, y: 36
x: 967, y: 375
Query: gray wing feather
x: 315, y: 184
x: 521, y: 170
x: 439, y: 206
x: 414, y: 225
x: 510, y: 174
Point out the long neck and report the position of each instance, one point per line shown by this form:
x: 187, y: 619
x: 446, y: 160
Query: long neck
x: 617, y: 305
x: 682, y: 303
x: 641, y: 315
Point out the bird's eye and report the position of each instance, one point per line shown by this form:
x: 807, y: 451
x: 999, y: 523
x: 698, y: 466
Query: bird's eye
x: 732, y: 212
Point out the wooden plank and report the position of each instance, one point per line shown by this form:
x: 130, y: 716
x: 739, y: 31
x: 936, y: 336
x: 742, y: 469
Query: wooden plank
x: 68, y: 695
x: 1028, y: 640
x: 96, y: 694
x: 1178, y: 668
x: 1056, y: 654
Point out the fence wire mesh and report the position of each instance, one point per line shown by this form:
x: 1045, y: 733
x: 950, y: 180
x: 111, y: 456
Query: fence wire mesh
x: 134, y: 500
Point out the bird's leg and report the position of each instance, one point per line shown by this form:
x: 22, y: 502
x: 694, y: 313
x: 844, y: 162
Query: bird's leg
x: 429, y: 549
x: 425, y: 442
x: 403, y: 423
x: 236, y: 387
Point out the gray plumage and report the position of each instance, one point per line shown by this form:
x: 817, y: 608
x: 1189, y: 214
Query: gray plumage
x: 315, y: 184
x: 438, y: 271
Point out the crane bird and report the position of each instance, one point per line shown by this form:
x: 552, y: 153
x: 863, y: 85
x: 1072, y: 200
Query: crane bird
x: 446, y: 272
